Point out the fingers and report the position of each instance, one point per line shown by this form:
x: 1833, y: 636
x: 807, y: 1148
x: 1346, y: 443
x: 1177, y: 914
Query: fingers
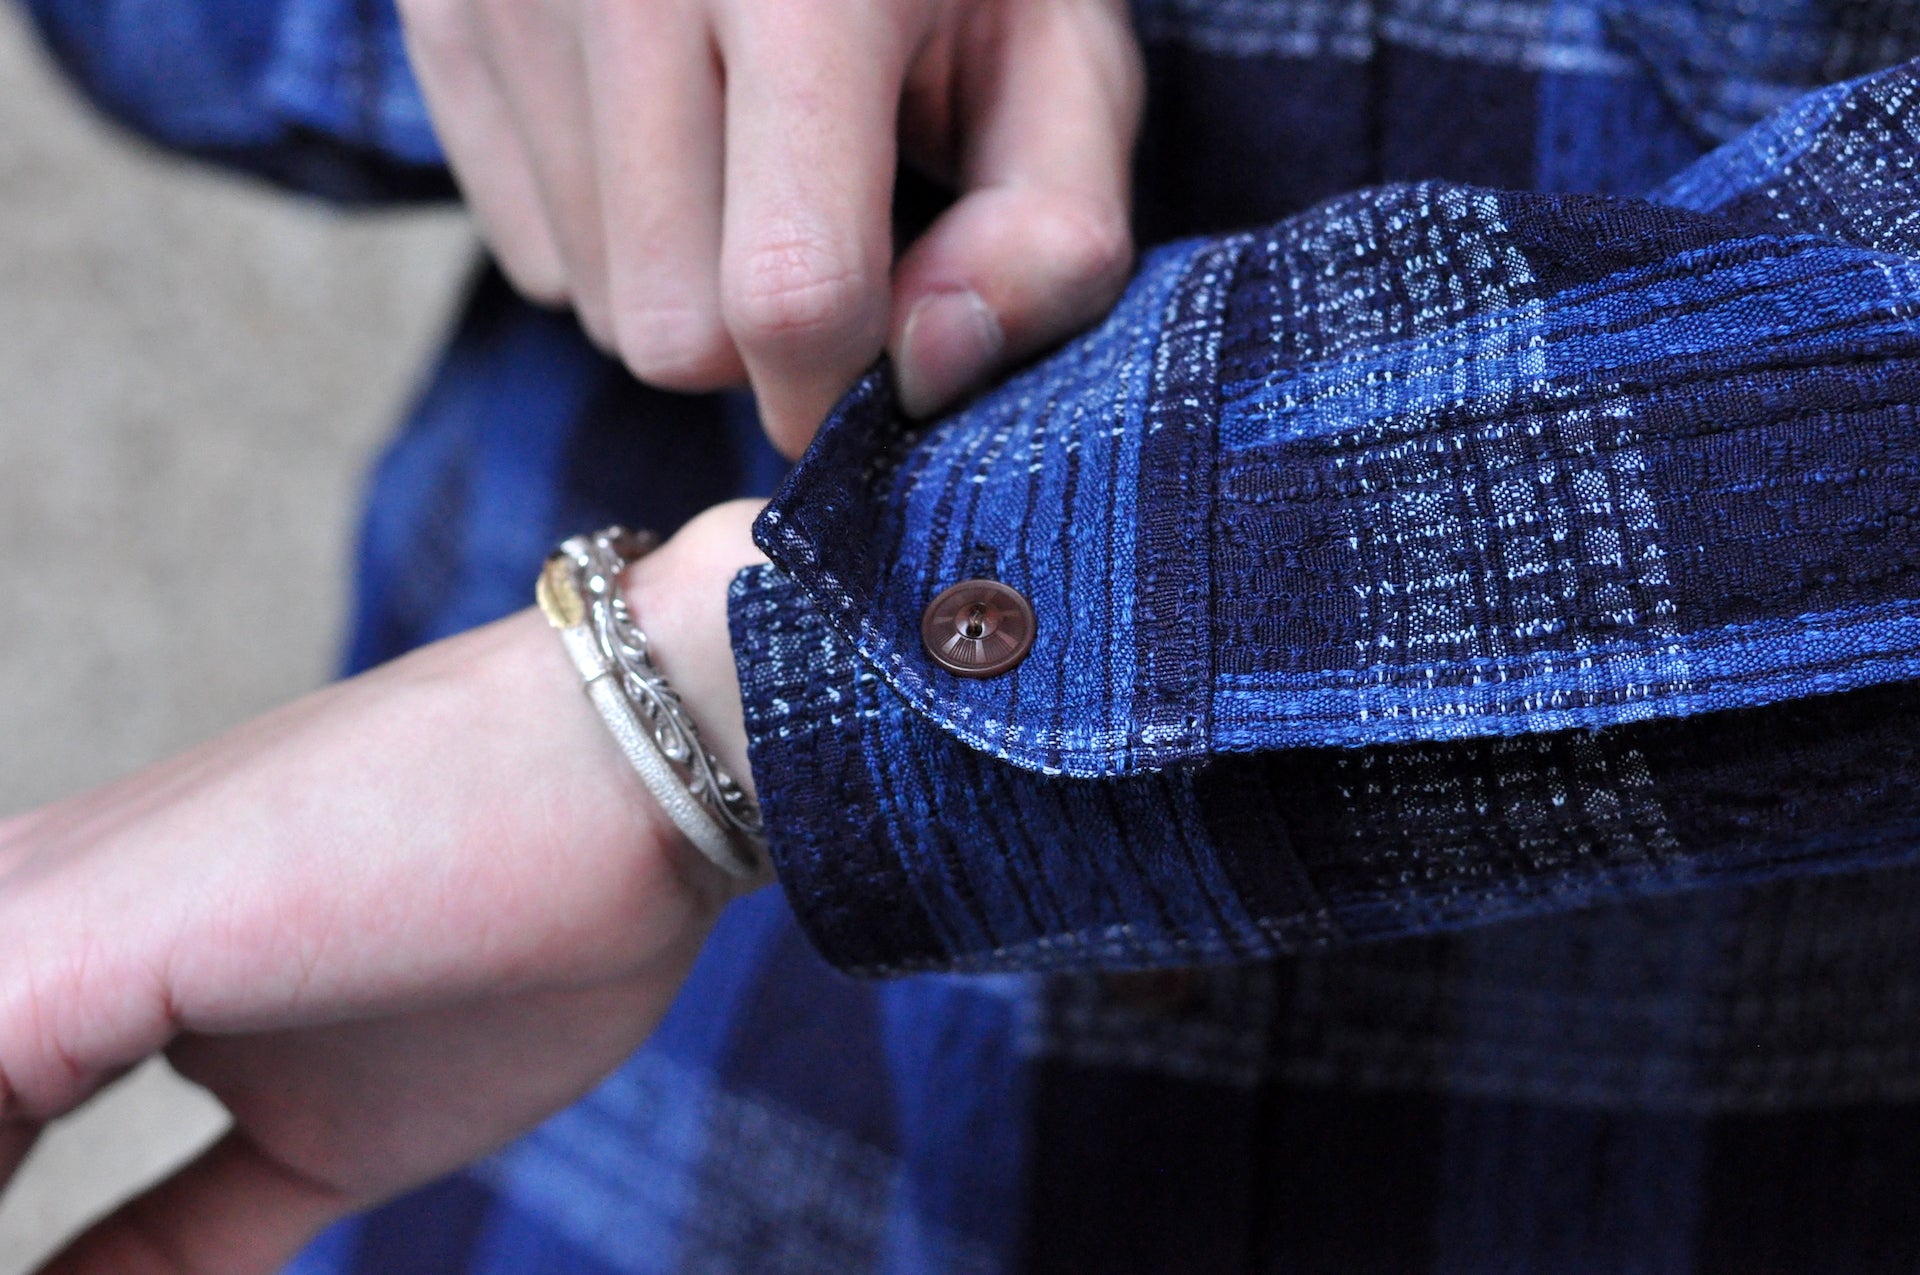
x: 597, y: 146
x: 483, y: 147
x: 812, y: 99
x: 656, y: 101
x: 538, y: 67
x: 233, y: 1211
x: 1038, y: 246
x: 709, y: 181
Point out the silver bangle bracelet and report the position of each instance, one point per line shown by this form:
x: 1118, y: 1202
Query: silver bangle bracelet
x: 579, y: 592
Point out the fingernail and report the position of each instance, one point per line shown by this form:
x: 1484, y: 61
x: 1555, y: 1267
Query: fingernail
x: 950, y: 343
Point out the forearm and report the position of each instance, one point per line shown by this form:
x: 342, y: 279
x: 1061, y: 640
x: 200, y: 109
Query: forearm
x: 456, y: 824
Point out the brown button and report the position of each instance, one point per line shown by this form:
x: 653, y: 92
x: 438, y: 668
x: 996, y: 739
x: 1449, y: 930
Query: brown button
x: 978, y: 628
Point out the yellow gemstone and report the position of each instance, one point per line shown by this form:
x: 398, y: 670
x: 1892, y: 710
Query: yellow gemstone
x: 559, y: 598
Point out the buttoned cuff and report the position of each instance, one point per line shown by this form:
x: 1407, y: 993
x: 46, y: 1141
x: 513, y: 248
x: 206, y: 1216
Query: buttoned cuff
x: 903, y: 849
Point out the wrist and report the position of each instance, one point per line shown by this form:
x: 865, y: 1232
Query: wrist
x: 678, y: 595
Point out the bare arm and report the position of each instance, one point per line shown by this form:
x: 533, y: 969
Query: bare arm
x: 390, y: 926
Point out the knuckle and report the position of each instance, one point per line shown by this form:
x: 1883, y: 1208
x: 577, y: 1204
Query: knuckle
x: 795, y: 290
x: 675, y: 349
x: 680, y: 363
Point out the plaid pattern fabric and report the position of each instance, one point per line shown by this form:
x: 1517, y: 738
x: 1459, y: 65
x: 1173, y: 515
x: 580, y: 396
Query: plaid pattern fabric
x: 1597, y: 951
x: 1425, y: 464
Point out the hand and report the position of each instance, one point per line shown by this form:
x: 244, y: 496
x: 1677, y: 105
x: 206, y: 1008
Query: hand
x: 389, y: 927
x: 708, y: 182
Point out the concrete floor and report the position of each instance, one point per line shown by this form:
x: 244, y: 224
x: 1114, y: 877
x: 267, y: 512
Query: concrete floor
x: 193, y: 374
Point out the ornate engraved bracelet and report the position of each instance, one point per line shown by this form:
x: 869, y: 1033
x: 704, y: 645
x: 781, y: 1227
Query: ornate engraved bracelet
x: 579, y: 591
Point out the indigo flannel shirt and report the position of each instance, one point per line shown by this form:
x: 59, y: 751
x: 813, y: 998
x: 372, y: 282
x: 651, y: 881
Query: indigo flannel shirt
x: 1459, y: 812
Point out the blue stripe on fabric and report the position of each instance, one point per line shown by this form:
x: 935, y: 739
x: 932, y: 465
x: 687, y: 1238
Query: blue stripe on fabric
x: 434, y: 1230
x: 1530, y: 35
x: 1078, y: 412
x: 1569, y: 1051
x: 807, y: 1041
x: 1735, y: 667
x: 1734, y: 300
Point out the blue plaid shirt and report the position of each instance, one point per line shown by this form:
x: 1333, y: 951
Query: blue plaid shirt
x: 1457, y: 813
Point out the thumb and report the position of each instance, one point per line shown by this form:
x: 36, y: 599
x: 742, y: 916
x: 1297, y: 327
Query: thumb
x: 1038, y: 246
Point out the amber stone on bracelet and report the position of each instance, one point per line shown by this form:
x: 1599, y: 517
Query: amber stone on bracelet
x: 978, y: 628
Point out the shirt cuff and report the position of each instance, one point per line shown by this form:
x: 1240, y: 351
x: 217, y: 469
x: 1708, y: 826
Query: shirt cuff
x: 902, y: 849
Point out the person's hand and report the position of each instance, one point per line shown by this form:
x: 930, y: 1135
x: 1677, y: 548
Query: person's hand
x: 389, y: 927
x: 708, y: 182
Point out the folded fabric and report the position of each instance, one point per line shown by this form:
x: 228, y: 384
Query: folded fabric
x: 1426, y: 464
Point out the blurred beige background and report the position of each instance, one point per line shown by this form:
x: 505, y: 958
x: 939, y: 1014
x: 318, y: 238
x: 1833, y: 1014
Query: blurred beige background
x: 193, y: 373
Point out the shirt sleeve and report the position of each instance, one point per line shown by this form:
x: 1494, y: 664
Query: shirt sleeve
x: 1439, y: 556
x: 315, y: 95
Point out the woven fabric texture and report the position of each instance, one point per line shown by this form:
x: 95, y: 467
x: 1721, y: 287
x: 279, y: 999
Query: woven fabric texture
x: 1618, y: 972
